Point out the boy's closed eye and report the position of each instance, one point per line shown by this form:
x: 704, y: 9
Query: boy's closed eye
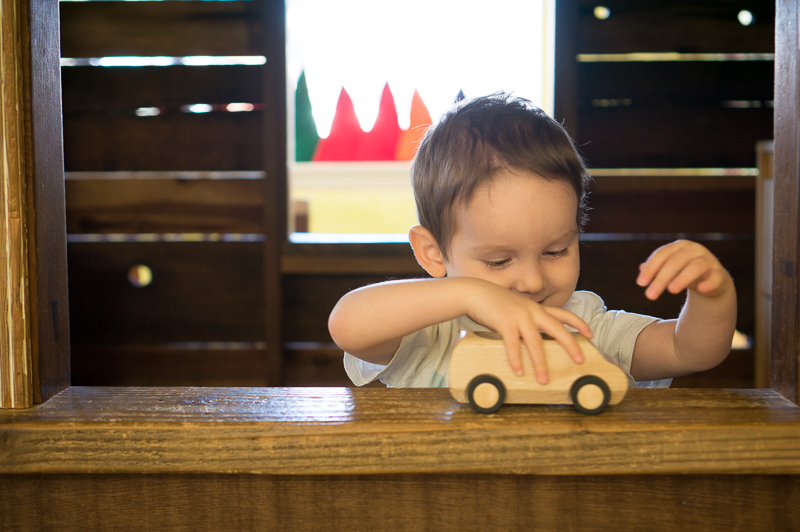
x: 559, y: 253
x: 497, y: 263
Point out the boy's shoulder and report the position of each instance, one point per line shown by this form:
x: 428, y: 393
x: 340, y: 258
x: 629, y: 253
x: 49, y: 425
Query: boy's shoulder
x: 585, y: 304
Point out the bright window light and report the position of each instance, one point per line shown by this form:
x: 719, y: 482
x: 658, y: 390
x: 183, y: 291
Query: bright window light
x: 356, y: 52
x: 437, y: 48
x: 239, y: 107
x: 205, y: 60
x: 148, y: 111
x: 132, y: 61
x: 197, y: 108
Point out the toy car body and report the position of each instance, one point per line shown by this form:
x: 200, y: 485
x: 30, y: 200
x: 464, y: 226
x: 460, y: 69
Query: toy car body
x: 481, y: 375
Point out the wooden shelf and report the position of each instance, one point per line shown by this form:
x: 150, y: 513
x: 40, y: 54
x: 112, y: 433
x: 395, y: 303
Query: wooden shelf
x: 334, y: 431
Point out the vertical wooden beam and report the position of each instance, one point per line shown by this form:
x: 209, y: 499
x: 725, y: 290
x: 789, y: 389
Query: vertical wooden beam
x: 786, y: 263
x: 276, y: 195
x: 565, y: 106
x: 16, y: 363
x: 34, y: 329
x: 765, y: 198
x: 48, y: 251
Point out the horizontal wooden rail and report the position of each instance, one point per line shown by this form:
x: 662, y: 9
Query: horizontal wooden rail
x: 160, y: 29
x: 330, y: 431
x: 648, y: 26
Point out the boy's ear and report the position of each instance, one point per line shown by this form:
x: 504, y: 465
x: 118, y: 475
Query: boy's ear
x: 427, y: 251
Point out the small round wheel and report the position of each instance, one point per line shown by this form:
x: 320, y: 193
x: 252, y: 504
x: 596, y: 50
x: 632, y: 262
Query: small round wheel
x: 486, y: 393
x: 590, y: 395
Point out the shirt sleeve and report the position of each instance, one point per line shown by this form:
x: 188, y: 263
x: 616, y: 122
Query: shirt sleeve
x: 421, y: 361
x: 615, y: 332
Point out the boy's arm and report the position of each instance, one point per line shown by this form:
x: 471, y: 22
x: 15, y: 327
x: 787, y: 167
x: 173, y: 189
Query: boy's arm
x: 701, y: 336
x: 370, y: 322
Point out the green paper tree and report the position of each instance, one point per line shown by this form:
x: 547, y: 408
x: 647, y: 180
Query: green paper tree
x: 305, y: 129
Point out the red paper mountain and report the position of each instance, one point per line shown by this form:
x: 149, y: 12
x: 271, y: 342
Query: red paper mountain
x: 381, y: 142
x: 385, y: 142
x: 346, y: 135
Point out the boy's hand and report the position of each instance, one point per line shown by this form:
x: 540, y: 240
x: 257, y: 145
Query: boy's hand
x: 683, y: 265
x: 520, y: 320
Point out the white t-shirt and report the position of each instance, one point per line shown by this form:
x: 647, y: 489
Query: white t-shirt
x: 423, y: 358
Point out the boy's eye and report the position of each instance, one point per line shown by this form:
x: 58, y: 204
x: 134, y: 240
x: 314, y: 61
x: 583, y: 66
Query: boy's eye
x: 559, y: 253
x: 497, y: 263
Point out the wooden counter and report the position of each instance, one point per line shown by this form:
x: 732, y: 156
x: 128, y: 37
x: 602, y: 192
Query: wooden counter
x: 214, y: 458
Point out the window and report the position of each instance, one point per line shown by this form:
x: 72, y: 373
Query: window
x: 367, y: 78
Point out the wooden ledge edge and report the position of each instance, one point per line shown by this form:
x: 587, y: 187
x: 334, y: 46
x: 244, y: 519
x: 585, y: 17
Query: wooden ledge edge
x: 341, y: 431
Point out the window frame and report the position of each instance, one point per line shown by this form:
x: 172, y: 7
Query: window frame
x: 49, y: 375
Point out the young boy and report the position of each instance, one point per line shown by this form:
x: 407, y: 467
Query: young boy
x: 501, y: 198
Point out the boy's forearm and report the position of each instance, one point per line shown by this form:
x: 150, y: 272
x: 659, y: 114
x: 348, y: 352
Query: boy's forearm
x: 704, y: 330
x: 370, y: 322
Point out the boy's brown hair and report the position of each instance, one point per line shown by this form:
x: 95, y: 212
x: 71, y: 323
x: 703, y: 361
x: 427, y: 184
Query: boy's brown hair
x: 475, y: 140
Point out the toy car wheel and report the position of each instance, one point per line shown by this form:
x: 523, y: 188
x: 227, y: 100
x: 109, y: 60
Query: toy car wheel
x: 486, y: 393
x: 590, y: 395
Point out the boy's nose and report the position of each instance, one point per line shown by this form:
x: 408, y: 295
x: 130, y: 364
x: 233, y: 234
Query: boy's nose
x: 531, y: 281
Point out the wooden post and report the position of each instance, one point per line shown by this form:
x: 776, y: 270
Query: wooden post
x: 16, y: 363
x: 34, y: 327
x: 786, y: 236
x: 276, y: 197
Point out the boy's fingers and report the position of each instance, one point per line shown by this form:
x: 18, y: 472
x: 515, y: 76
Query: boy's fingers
x: 650, y: 268
x: 667, y: 274
x: 533, y: 342
x: 570, y: 345
x: 568, y: 318
x: 555, y: 328
x: 513, y: 352
x: 690, y: 274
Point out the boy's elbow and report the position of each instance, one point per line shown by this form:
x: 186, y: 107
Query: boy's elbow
x: 336, y: 326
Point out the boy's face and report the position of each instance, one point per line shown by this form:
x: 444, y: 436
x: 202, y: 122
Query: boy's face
x: 520, y: 231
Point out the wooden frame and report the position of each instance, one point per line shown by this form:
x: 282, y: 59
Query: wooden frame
x: 786, y: 229
x: 34, y: 342
x: 39, y: 85
x: 243, y: 457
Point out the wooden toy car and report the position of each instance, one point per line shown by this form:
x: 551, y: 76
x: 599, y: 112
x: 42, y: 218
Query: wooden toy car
x: 481, y: 375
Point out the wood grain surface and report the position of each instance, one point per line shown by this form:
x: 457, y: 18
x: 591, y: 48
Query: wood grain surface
x: 399, y: 502
x: 16, y: 307
x: 322, y: 431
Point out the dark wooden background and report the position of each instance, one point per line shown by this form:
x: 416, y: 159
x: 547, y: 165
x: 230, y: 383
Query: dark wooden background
x: 210, y: 315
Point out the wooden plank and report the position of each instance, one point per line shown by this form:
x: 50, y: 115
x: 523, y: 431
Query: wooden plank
x: 565, y: 93
x: 16, y: 341
x: 276, y: 193
x: 164, y: 206
x: 177, y: 29
x: 676, y: 26
x: 765, y: 199
x: 785, y: 376
x: 190, y: 364
x: 334, y: 431
x: 162, y: 203
x: 706, y: 83
x: 401, y: 502
x: 88, y: 88
x: 200, y: 292
x: 620, y: 137
x: 309, y: 299
x: 672, y: 212
x: 48, y: 281
x: 181, y: 141
x: 314, y: 364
